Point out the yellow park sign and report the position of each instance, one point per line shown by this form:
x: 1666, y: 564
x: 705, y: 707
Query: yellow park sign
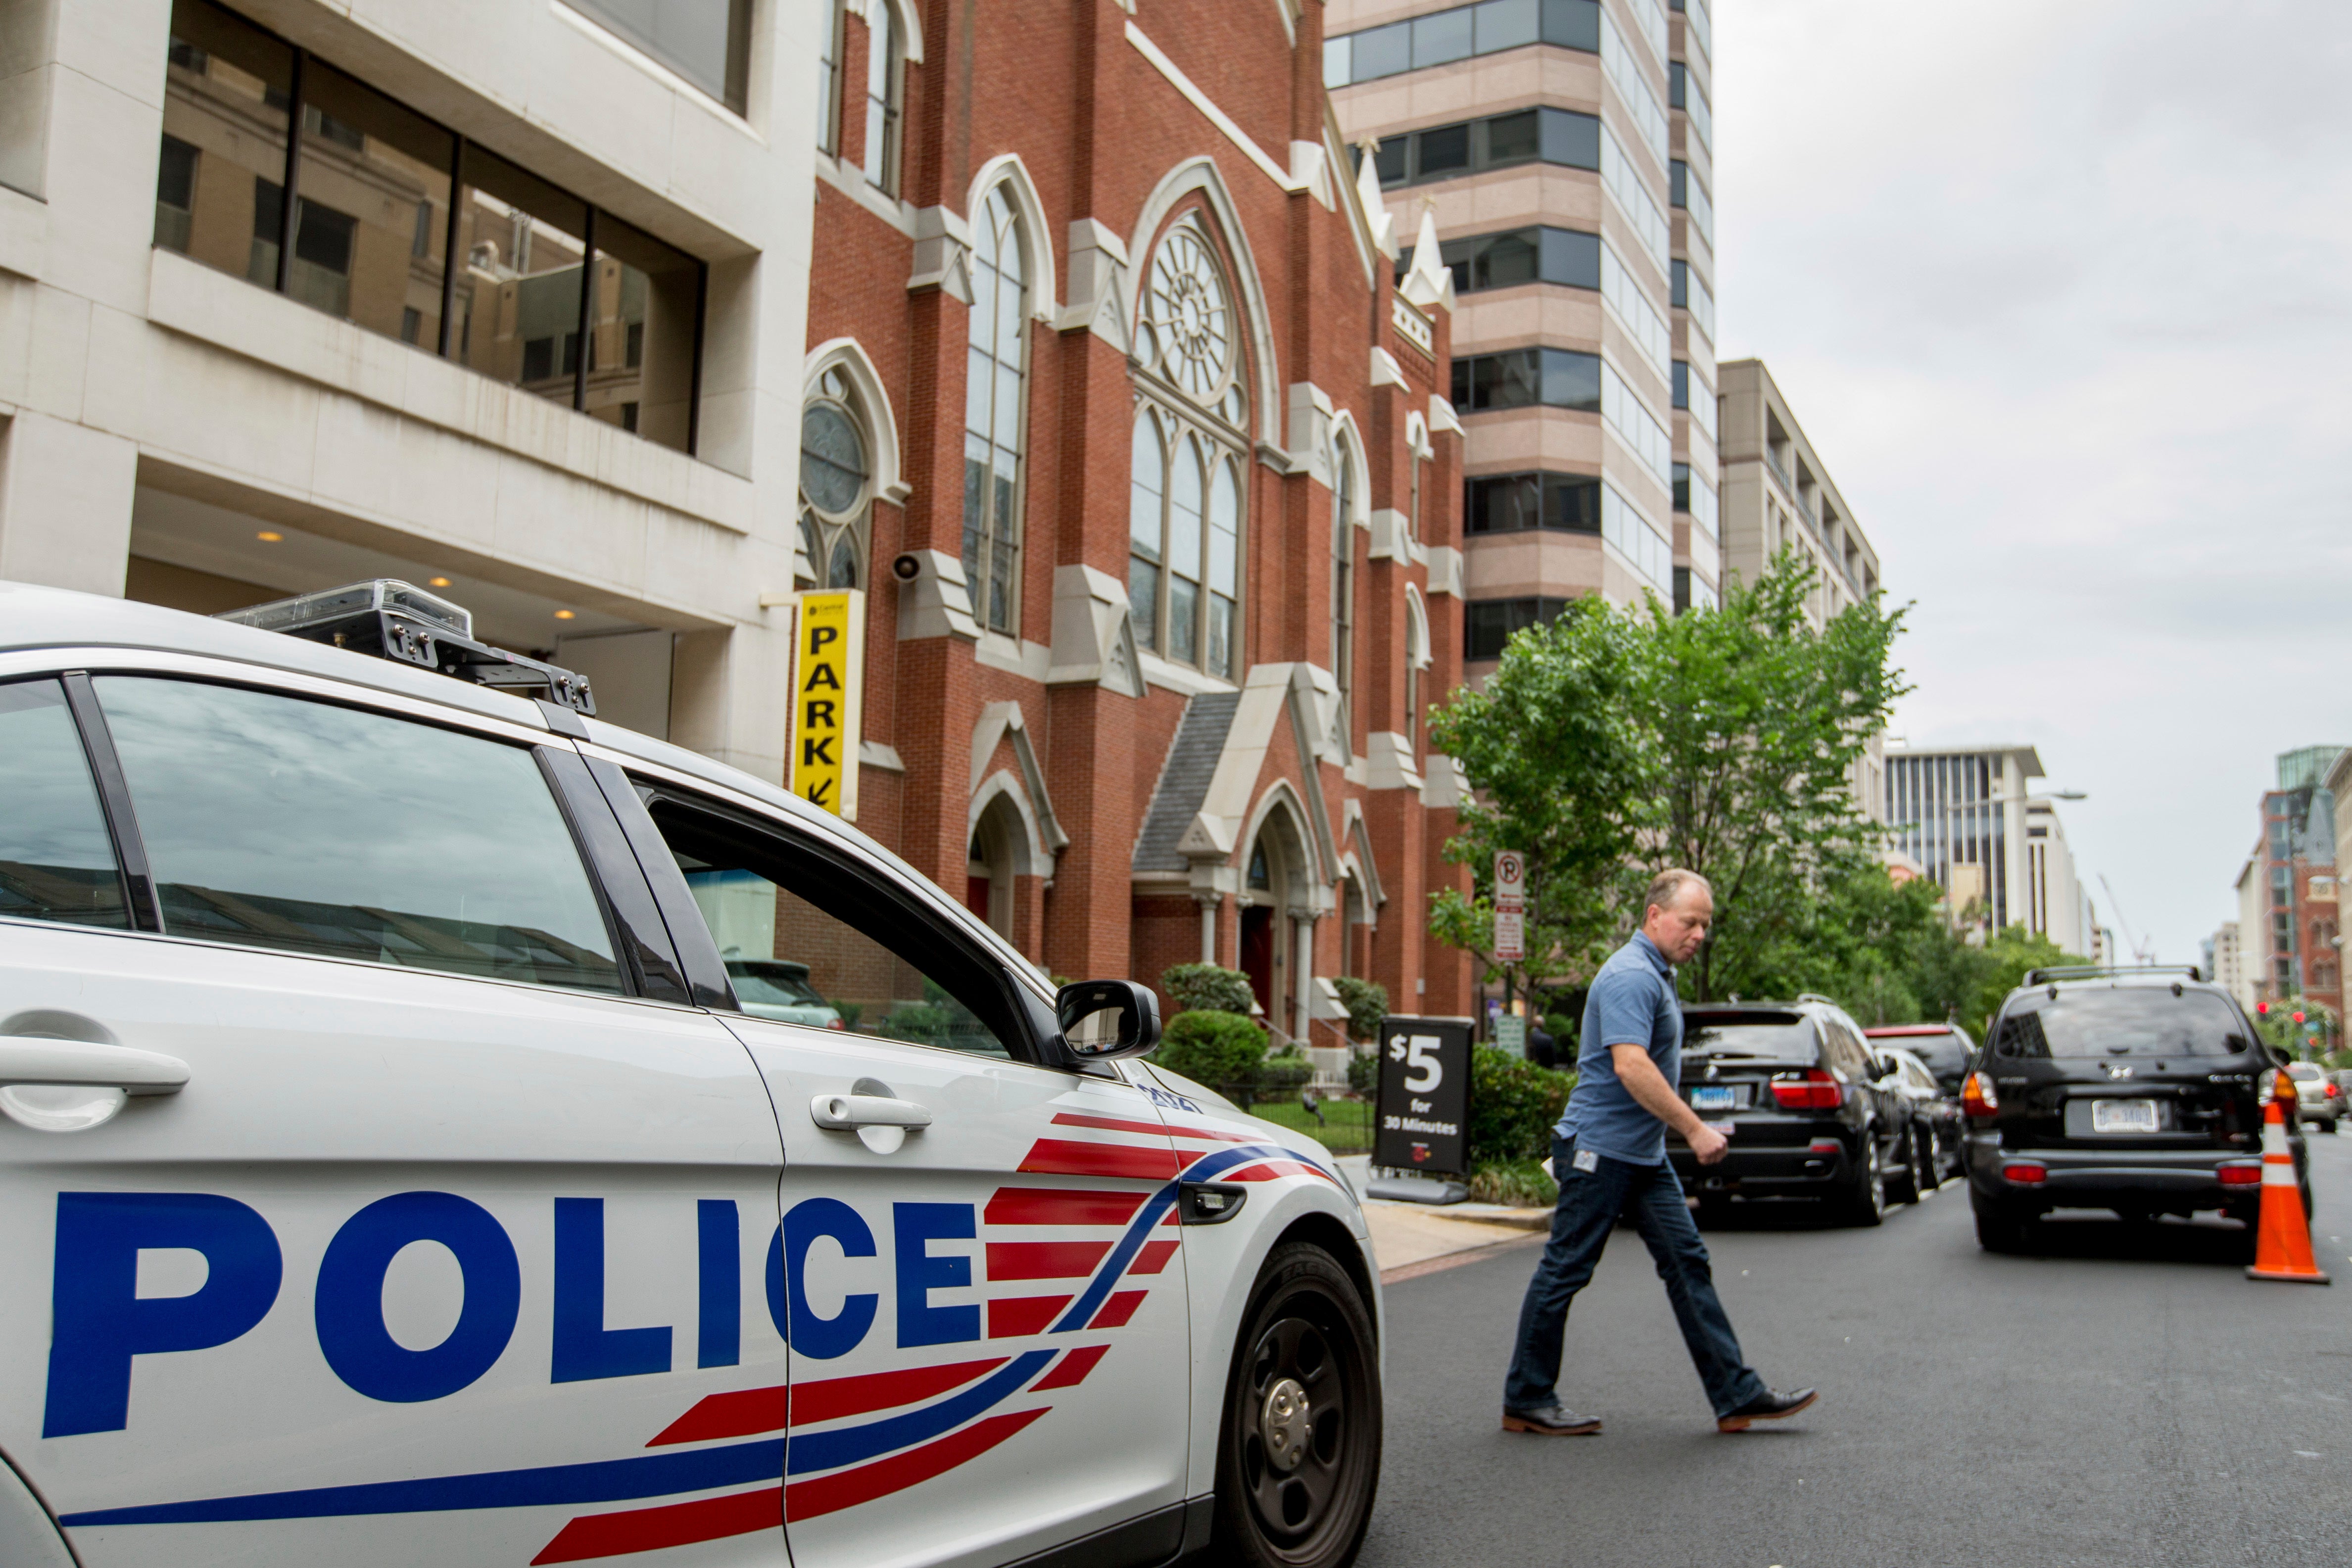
x: 828, y: 688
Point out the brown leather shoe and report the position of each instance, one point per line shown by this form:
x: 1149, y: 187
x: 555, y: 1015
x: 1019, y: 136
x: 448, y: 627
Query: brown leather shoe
x: 1768, y: 1406
x: 1554, y: 1420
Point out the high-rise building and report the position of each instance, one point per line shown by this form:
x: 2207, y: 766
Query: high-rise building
x: 1564, y: 150
x: 1966, y: 815
x: 2222, y: 965
x: 1778, y: 495
x: 2287, y: 893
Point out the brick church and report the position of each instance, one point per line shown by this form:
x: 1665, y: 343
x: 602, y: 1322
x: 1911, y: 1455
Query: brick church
x: 1120, y: 415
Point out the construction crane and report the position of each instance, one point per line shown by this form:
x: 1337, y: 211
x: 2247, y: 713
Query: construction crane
x: 2143, y: 951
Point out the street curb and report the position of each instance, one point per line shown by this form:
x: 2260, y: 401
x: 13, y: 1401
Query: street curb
x: 1446, y: 1261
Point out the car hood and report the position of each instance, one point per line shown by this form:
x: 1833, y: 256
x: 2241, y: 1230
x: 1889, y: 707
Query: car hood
x: 1210, y: 1100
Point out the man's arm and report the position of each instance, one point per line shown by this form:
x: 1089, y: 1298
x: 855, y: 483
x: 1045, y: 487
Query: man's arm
x: 1648, y: 1086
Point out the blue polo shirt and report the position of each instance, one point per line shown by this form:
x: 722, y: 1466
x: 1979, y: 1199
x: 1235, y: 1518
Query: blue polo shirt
x: 1631, y: 1002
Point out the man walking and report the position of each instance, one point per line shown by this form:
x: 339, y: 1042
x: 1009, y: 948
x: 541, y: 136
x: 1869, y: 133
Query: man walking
x: 1609, y: 1155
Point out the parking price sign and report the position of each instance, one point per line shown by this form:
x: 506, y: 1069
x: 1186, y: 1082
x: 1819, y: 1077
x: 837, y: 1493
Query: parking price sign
x: 1425, y: 1095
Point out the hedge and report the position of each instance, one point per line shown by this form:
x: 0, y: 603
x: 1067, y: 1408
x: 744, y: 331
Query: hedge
x: 1206, y: 987
x: 1513, y: 1105
x: 1211, y: 1047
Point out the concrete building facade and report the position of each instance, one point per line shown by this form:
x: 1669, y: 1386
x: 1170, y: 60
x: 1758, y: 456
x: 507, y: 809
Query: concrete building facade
x: 1124, y: 422
x: 1564, y: 150
x: 1778, y: 495
x: 1968, y: 816
x: 530, y: 330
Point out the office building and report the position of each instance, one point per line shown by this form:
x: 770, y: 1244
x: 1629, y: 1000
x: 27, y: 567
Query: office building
x: 1778, y: 496
x: 2222, y: 963
x: 1564, y: 150
x: 2288, y: 902
x: 526, y: 330
x: 1999, y: 852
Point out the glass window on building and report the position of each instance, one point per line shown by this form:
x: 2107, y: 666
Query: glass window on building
x: 1491, y: 622
x: 398, y: 226
x: 708, y: 42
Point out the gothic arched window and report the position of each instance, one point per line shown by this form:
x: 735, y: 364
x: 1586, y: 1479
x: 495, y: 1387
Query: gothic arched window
x: 836, y: 484
x: 992, y: 411
x: 1187, y: 505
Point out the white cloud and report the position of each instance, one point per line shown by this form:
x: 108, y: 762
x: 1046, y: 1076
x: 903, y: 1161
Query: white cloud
x: 2056, y: 292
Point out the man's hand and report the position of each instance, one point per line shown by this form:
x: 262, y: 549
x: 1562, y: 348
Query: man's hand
x: 1709, y: 1144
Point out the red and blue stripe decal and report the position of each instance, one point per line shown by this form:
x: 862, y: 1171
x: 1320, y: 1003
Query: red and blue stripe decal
x: 928, y: 1420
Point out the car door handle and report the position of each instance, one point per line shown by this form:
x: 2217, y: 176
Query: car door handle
x: 848, y: 1112
x: 58, y: 1085
x: 33, y: 1060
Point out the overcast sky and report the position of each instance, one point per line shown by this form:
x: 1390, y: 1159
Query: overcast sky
x: 2057, y: 292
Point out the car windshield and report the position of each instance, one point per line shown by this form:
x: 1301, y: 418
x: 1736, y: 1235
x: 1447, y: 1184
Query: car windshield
x: 2133, y: 1022
x: 1765, y: 1036
x: 777, y: 985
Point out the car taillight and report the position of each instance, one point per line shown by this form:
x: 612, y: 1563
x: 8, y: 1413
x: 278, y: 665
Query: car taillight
x: 834, y: 1023
x: 1812, y: 1090
x: 2028, y: 1176
x: 2246, y: 1175
x: 2332, y: 1091
x: 1976, y: 1097
x: 2279, y: 1086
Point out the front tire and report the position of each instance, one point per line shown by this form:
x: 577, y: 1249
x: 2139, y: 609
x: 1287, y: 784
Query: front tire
x: 1299, y: 1446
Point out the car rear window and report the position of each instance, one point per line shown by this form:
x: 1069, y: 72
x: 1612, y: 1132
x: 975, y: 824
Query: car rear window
x: 1944, y: 1052
x: 2304, y: 1072
x: 1761, y: 1037
x: 2136, y: 1022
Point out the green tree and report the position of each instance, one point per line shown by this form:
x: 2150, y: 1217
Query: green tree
x: 1613, y: 742
x: 1759, y: 719
x: 1555, y: 748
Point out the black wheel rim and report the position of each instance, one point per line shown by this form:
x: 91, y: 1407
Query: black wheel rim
x: 1304, y: 1351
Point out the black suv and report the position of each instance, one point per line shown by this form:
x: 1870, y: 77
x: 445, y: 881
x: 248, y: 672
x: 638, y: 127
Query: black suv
x: 1811, y: 1110
x: 2136, y: 1090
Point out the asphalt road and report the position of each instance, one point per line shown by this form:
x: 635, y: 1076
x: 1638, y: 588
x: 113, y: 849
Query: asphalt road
x: 2121, y: 1399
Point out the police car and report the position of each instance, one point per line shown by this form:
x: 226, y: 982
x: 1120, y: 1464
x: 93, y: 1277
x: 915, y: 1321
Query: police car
x: 390, y: 1175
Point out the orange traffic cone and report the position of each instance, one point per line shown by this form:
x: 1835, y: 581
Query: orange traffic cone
x: 2283, y: 1247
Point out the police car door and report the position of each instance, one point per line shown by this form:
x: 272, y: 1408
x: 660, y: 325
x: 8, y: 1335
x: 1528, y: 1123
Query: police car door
x: 987, y: 1315
x: 362, y: 1206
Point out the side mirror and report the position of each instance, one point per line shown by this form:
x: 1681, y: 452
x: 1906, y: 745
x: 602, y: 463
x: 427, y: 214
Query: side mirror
x: 1103, y: 1020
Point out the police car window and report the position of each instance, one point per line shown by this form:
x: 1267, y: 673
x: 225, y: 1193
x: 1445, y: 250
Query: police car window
x: 810, y: 938
x: 56, y: 860
x: 276, y: 822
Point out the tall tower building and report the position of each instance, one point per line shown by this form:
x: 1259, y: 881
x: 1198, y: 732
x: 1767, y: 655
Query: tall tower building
x: 1564, y: 150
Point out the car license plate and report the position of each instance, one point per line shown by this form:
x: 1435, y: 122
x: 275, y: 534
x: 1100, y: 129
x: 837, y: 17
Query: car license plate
x: 1712, y: 1097
x: 2123, y: 1116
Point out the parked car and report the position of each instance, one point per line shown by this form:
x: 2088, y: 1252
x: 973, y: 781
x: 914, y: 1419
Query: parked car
x: 2140, y: 1090
x: 1944, y: 1047
x: 1811, y: 1110
x: 2317, y: 1096
x: 1938, y: 1129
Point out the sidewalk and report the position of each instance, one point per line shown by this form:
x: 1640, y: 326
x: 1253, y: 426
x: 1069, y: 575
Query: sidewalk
x: 1414, y: 1239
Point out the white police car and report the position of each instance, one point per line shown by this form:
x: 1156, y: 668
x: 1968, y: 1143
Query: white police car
x: 389, y: 1175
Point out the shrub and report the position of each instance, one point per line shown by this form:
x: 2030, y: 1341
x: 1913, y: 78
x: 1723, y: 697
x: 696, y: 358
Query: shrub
x: 1367, y: 1004
x: 1277, y: 1079
x: 1513, y: 1104
x: 1206, y: 988
x: 1212, y: 1047
x: 1364, y: 1072
x: 1521, y: 1184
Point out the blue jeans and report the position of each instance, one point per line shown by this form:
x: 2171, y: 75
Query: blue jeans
x: 1589, y: 1203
